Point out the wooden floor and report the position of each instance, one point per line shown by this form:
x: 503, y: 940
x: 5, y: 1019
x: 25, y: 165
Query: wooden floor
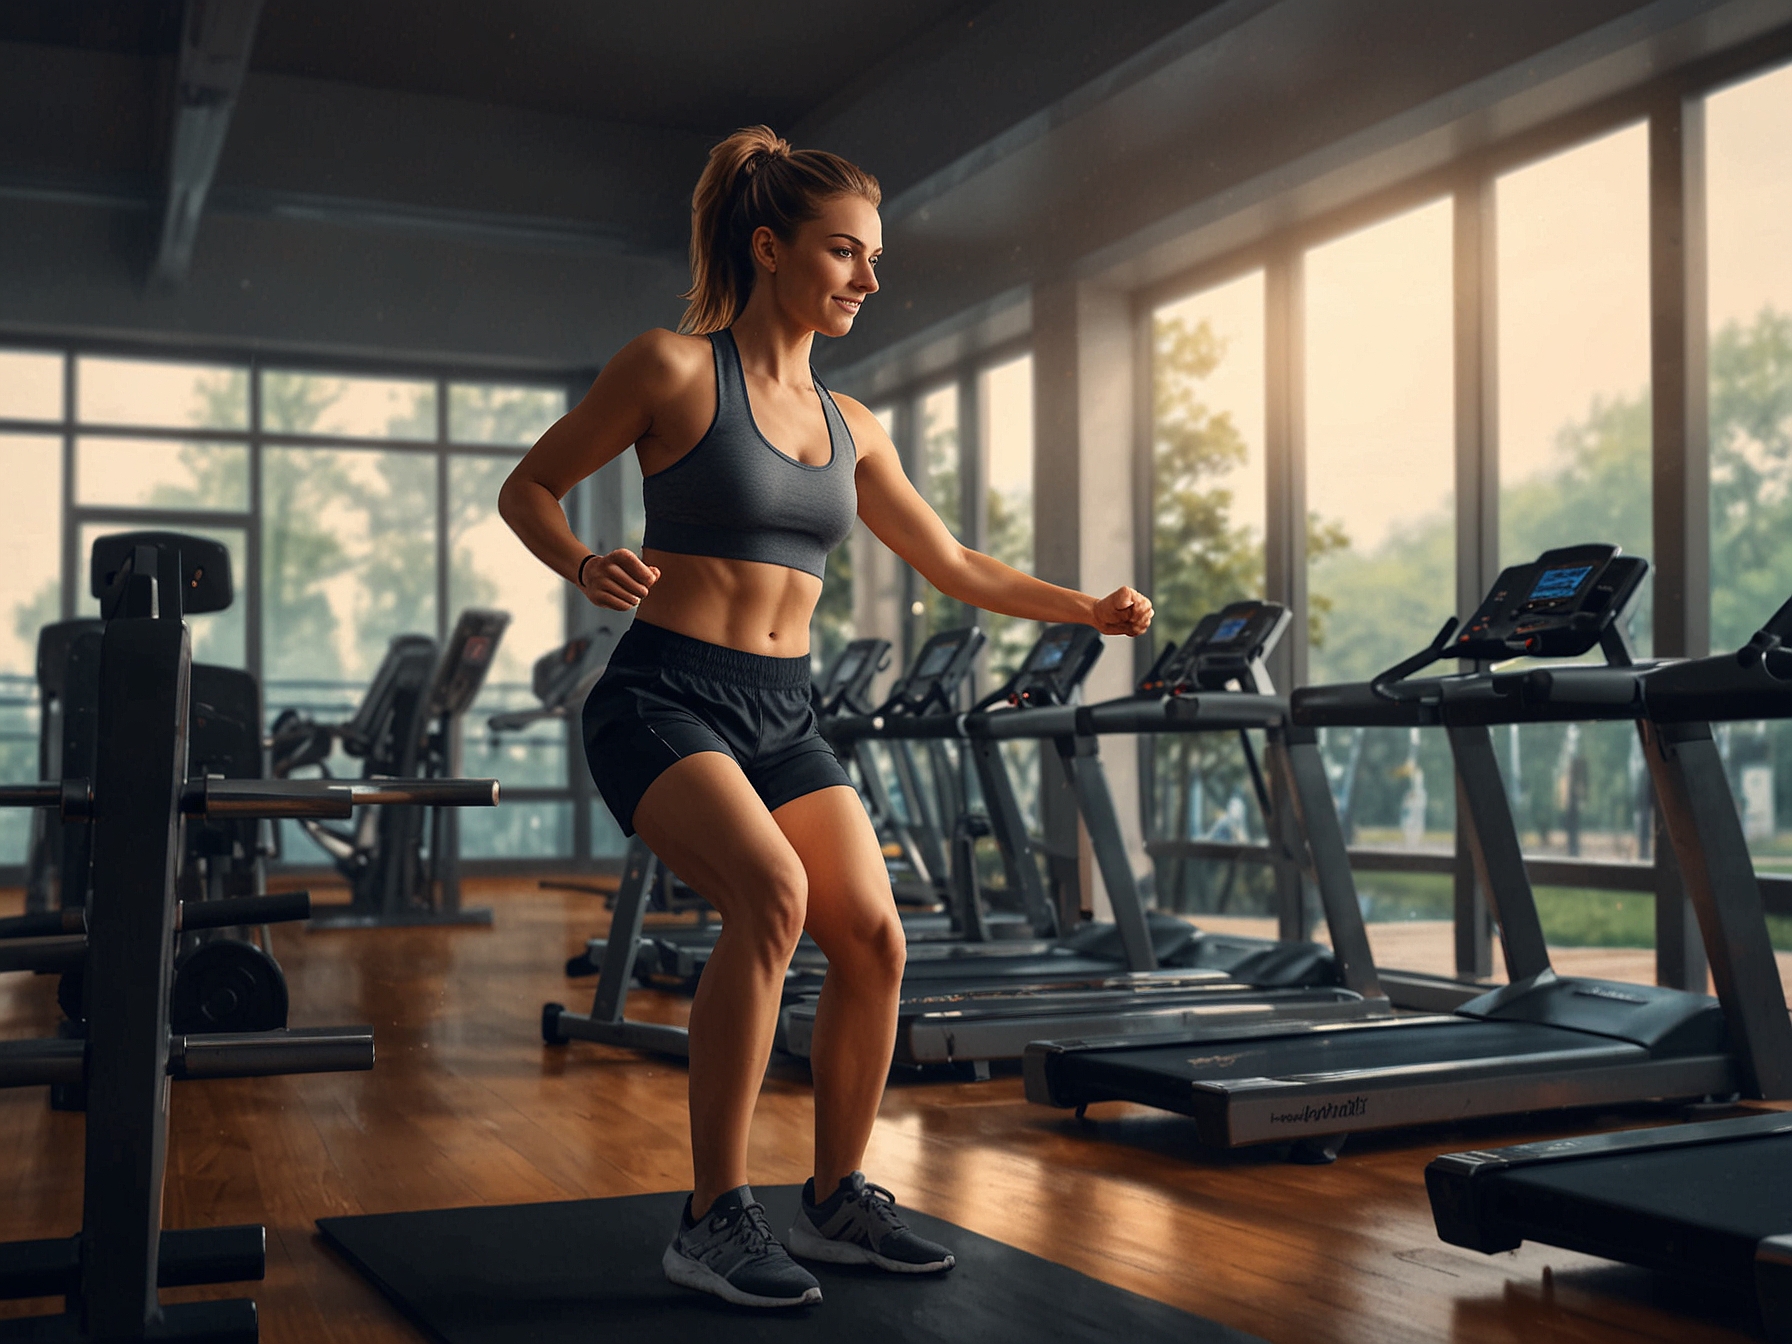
x: 466, y: 1106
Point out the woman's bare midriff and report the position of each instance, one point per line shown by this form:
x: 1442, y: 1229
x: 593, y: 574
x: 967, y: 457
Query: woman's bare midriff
x: 743, y: 604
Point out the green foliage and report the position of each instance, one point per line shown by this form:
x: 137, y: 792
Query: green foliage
x: 1009, y: 524
x: 1201, y: 560
x: 831, y: 627
x: 1751, y: 474
x: 940, y: 487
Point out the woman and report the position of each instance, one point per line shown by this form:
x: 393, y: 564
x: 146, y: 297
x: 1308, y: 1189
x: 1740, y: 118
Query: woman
x: 700, y: 736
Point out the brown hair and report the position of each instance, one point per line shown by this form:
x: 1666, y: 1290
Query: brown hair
x: 754, y: 179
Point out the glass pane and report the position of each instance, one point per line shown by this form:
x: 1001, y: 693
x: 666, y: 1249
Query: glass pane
x: 1574, y: 353
x: 150, y: 392
x: 30, y: 548
x: 831, y: 627
x: 490, y: 568
x: 158, y: 474
x: 30, y: 385
x: 1748, y: 183
x: 496, y: 413
x: 607, y: 839
x: 375, y: 408
x: 1380, y: 443
x: 634, y: 509
x: 348, y: 561
x: 219, y: 637
x: 1381, y: 485
x: 1575, y: 440
x: 1005, y: 396
x: 529, y: 758
x: 531, y: 830
x: 1207, y: 512
x: 938, y: 472
x: 1207, y: 506
x: 1749, y: 190
x: 30, y: 598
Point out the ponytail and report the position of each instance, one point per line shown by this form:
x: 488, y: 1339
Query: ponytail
x: 754, y: 179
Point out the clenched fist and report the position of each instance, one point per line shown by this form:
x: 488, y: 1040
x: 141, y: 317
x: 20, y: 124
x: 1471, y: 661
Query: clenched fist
x: 620, y: 580
x: 1125, y: 611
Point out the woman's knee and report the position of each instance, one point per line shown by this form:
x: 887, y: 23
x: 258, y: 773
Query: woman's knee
x: 873, y: 948
x: 773, y: 903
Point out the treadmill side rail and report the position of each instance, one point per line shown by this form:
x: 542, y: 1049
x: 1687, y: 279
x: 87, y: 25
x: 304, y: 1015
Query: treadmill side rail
x: 1242, y: 1112
x: 1773, y: 1286
x: 1464, y: 1201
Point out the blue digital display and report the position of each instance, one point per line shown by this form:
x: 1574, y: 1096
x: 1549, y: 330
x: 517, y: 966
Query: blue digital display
x: 1556, y: 583
x: 1229, y: 629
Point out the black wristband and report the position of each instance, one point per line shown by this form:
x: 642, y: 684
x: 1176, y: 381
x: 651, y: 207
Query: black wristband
x: 580, y: 581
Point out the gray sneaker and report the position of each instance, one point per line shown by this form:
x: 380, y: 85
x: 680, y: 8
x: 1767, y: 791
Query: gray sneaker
x: 857, y: 1225
x: 732, y: 1253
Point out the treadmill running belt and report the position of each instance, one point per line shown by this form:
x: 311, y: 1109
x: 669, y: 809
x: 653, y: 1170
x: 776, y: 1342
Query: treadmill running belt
x: 1697, y: 1211
x: 1163, y: 1075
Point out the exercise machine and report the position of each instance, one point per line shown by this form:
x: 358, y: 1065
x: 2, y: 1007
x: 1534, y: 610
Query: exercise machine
x: 109, y: 1273
x: 1542, y: 1041
x: 1711, y: 1200
x: 1143, y: 975
x: 408, y: 724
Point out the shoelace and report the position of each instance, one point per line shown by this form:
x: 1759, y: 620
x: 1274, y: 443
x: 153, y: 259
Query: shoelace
x: 881, y: 1203
x: 757, y: 1232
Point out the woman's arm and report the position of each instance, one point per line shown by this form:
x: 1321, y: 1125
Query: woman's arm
x: 897, y: 515
x: 617, y: 412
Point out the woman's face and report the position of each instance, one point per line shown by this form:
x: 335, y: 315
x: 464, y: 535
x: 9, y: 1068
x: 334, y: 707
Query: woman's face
x: 821, y: 276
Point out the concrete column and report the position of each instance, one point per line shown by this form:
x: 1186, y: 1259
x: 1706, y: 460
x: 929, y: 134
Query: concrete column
x: 1083, y: 516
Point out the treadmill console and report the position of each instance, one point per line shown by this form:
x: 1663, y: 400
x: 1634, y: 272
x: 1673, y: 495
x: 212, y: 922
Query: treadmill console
x: 846, y: 680
x: 465, y: 661
x: 1055, y: 666
x: 1558, y: 606
x: 569, y: 672
x: 939, y: 669
x: 1561, y: 605
x: 1227, y: 646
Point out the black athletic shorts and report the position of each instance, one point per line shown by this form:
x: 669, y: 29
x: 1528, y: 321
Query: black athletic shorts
x: 666, y: 696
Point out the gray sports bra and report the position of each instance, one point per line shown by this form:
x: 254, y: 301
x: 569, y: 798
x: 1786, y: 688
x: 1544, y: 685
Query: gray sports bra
x: 746, y: 500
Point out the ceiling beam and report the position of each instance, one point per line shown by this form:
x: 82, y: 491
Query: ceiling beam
x: 215, y: 42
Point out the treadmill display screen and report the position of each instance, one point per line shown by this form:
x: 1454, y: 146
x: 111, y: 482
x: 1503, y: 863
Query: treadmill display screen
x: 1553, y: 584
x: 1229, y: 629
x: 936, y: 662
x: 849, y: 668
x: 1048, y: 656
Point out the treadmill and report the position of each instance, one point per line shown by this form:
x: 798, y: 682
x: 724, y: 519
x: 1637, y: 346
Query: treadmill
x: 1541, y: 1042
x: 1712, y: 1200
x: 1209, y: 978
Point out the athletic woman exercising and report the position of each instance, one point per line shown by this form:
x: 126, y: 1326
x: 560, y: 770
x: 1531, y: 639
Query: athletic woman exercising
x: 700, y: 735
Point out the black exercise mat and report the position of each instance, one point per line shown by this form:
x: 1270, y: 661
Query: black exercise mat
x: 590, y: 1269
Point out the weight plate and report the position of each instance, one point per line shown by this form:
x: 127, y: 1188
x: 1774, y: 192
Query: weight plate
x: 226, y: 985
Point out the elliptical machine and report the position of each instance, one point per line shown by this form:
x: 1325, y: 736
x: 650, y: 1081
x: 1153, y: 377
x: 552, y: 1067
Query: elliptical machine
x: 408, y: 724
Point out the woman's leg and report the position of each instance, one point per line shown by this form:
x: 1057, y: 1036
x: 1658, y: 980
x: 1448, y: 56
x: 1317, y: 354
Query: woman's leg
x: 852, y: 916
x: 703, y: 820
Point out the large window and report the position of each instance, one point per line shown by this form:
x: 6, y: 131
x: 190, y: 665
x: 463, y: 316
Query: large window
x: 355, y: 508
x: 1749, y: 188
x: 1574, y: 414
x: 1382, y: 534
x: 938, y: 472
x: 1005, y: 404
x: 1207, y: 511
x: 30, y: 585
